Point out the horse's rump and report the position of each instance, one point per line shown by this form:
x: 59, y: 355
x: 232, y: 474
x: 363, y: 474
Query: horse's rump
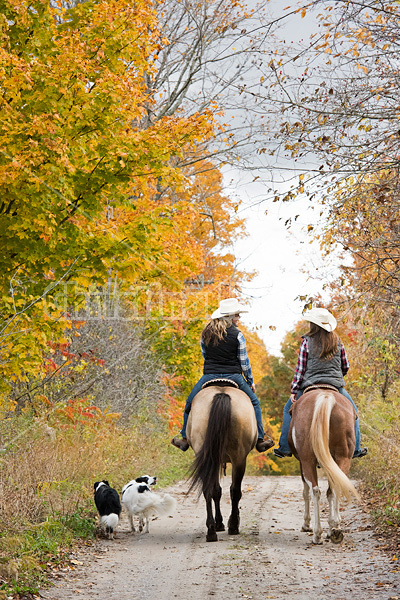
x: 243, y: 421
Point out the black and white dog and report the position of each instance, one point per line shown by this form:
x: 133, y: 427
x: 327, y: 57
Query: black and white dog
x: 144, y: 479
x: 138, y: 500
x: 108, y: 505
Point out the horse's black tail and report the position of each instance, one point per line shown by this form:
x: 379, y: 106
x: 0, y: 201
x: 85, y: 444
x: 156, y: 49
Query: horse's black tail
x: 206, y: 469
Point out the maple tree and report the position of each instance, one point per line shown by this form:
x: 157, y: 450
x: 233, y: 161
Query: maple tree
x: 118, y: 202
x: 78, y: 171
x: 363, y: 220
x: 176, y: 314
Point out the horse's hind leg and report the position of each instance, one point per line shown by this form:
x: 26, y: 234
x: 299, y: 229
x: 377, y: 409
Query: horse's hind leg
x: 307, y: 515
x: 309, y: 475
x: 335, y: 531
x: 210, y: 522
x: 218, y: 515
x: 236, y: 493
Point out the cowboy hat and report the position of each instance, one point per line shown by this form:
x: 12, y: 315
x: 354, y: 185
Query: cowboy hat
x: 228, y: 307
x: 321, y: 317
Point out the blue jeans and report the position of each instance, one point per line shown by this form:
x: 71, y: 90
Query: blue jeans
x: 283, y: 440
x: 243, y: 385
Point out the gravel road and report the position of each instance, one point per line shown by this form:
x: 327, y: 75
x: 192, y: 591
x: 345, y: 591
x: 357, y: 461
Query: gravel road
x: 271, y: 558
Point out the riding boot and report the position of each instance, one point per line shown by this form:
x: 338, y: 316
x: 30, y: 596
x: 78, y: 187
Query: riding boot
x: 361, y: 452
x: 264, y: 444
x: 180, y: 443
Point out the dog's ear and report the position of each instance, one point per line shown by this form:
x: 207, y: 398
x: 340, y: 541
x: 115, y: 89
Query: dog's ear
x: 106, y: 482
x: 141, y: 479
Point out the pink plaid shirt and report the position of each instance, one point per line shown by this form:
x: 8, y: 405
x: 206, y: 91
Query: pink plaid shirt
x: 302, y: 365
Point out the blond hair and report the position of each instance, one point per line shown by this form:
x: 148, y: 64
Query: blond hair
x: 215, y: 330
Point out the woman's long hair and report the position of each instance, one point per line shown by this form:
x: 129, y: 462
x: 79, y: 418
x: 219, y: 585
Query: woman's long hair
x: 215, y: 330
x: 327, y: 340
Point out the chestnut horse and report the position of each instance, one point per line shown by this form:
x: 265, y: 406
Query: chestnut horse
x: 221, y: 428
x: 322, y: 433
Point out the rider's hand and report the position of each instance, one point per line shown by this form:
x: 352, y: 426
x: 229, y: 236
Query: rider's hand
x: 293, y: 397
x: 253, y: 387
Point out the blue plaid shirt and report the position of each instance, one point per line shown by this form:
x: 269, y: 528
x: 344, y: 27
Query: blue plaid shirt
x: 242, y: 356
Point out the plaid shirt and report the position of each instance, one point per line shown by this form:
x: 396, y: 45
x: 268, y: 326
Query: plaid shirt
x: 242, y: 356
x: 302, y: 365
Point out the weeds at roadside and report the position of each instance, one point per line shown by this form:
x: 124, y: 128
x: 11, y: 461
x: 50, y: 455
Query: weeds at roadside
x: 380, y: 469
x: 30, y: 552
x: 46, y: 490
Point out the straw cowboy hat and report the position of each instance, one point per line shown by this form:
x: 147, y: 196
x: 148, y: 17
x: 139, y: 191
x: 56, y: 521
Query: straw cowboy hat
x: 321, y: 317
x: 228, y: 307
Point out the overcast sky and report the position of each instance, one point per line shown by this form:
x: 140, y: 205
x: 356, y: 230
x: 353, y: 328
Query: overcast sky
x: 288, y: 265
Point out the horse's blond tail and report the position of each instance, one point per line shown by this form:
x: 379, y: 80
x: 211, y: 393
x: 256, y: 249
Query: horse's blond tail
x: 319, y: 436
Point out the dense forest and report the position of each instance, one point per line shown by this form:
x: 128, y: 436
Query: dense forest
x: 118, y: 119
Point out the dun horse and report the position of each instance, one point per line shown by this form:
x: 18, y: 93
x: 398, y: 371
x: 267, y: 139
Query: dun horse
x: 221, y: 428
x: 322, y: 433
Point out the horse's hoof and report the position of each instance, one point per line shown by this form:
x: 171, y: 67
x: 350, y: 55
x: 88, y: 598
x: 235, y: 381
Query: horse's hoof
x: 336, y: 536
x: 233, y: 531
x: 220, y: 527
x: 306, y: 529
x: 317, y: 542
x: 212, y: 537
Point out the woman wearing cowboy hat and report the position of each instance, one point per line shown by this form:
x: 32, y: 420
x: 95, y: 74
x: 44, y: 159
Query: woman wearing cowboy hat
x: 322, y: 360
x: 224, y: 351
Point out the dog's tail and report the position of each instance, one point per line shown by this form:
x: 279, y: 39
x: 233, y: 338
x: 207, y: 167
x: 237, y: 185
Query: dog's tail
x: 109, y: 522
x: 165, y: 506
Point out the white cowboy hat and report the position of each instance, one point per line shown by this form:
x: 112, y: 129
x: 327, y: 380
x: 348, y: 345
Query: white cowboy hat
x: 321, y: 317
x: 228, y: 307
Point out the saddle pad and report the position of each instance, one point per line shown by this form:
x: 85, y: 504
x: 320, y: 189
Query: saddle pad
x: 220, y: 382
x: 320, y: 386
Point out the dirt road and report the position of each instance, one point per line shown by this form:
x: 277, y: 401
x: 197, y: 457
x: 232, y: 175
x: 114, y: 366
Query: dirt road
x: 271, y: 558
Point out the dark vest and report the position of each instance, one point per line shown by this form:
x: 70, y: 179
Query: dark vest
x: 322, y: 371
x: 223, y: 358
